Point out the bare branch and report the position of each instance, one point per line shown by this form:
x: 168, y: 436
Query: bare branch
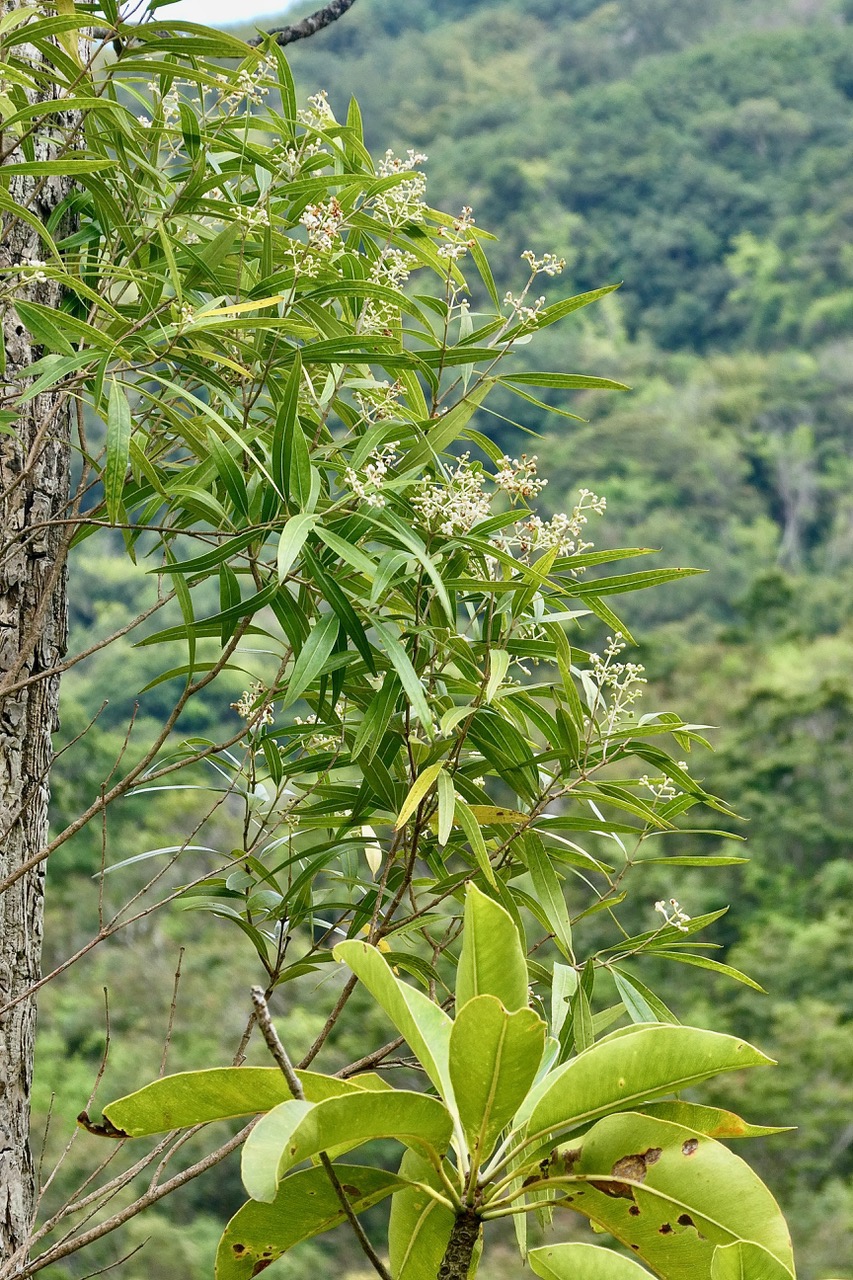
x: 308, y: 26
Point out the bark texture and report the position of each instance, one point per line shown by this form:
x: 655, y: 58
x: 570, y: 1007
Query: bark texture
x: 34, y: 486
x: 456, y: 1263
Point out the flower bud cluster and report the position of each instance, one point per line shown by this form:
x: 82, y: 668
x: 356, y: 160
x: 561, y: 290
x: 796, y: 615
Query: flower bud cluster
x: 673, y: 915
x: 367, y: 486
x: 323, y: 223
x: 456, y: 504
x: 517, y: 477
x: 247, y: 706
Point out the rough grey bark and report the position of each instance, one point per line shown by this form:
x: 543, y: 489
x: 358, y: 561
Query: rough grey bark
x: 34, y: 486
x: 456, y: 1263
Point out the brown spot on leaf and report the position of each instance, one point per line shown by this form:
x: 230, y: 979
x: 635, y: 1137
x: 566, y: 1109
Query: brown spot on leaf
x: 353, y: 1192
x: 665, y: 1230
x: 685, y: 1220
x: 653, y: 1155
x: 636, y: 1246
x: 262, y: 1266
x: 690, y: 1147
x: 238, y: 1249
x: 634, y: 1211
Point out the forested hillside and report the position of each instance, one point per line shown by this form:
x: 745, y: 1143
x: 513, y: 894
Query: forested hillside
x: 702, y: 154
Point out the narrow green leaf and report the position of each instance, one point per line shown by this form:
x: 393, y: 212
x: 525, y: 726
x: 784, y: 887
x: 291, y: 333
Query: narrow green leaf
x: 549, y: 892
x: 418, y: 791
x: 474, y: 836
x: 118, y: 448
x: 291, y: 541
x: 446, y: 806
x: 402, y: 664
x: 312, y: 660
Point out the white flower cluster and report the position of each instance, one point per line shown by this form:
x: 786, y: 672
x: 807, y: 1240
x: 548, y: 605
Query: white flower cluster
x: 257, y: 216
x: 662, y: 788
x: 456, y: 504
x: 323, y: 223
x: 525, y: 313
x: 367, y: 486
x: 319, y: 113
x: 291, y: 160
x: 317, y: 741
x: 249, y: 710
x: 562, y: 531
x: 623, y: 680
x: 404, y: 201
x: 251, y: 85
x: 379, y: 401
x: 35, y: 266
x: 391, y: 270
x: 673, y: 915
x: 517, y: 477
x: 548, y: 265
x: 456, y: 237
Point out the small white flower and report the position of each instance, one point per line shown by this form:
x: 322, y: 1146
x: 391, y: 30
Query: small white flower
x: 673, y: 915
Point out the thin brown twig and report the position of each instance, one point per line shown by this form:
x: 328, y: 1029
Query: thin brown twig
x: 279, y: 1055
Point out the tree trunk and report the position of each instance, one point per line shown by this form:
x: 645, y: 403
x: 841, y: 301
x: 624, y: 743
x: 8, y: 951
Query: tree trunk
x: 456, y: 1263
x: 34, y: 488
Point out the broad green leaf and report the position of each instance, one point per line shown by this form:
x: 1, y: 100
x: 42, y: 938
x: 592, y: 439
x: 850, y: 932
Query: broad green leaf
x: 312, y: 659
x: 746, y: 1261
x: 420, y: 1226
x: 549, y: 892
x: 492, y: 961
x: 296, y: 1131
x: 198, y: 1097
x: 634, y: 1067
x: 583, y: 1262
x: 305, y: 1205
x: 291, y: 542
x: 418, y: 791
x: 494, y: 1057
x: 669, y: 1194
x: 423, y: 1024
x: 118, y: 446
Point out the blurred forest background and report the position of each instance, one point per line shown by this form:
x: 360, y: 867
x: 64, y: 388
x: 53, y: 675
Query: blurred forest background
x: 703, y: 154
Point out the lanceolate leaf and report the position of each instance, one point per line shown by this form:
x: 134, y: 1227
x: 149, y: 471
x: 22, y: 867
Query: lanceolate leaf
x: 297, y: 1131
x: 118, y: 447
x: 305, y: 1205
x: 710, y: 1120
